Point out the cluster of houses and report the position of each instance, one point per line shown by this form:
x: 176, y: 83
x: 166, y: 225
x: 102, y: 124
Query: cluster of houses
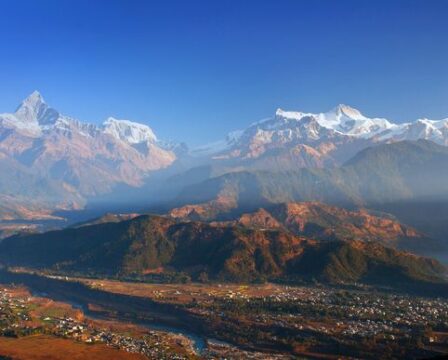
x: 319, y: 311
x: 351, y: 314
x: 153, y: 344
x: 363, y: 314
x: 15, y: 321
x: 11, y: 310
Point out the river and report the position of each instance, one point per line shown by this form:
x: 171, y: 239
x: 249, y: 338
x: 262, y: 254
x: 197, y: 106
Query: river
x: 144, y: 311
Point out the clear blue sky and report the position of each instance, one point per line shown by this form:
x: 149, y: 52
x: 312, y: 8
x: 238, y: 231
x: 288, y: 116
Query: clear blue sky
x: 194, y: 70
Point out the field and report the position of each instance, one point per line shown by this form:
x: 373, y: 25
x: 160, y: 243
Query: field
x: 182, y: 293
x: 43, y: 347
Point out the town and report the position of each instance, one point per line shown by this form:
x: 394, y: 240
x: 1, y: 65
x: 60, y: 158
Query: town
x: 308, y: 319
x: 256, y: 321
x: 16, y: 321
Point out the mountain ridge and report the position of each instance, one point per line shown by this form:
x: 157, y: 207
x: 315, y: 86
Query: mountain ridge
x: 79, y: 162
x: 378, y: 174
x: 224, y: 253
x: 318, y: 221
x: 345, y: 120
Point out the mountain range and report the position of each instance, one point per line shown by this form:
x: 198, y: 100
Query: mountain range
x: 382, y: 173
x: 53, y: 162
x: 56, y: 162
x: 323, y: 138
x: 295, y: 197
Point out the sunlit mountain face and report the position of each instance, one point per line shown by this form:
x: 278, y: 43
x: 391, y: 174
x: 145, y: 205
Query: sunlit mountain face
x: 57, y: 161
x: 57, y: 168
x: 62, y: 162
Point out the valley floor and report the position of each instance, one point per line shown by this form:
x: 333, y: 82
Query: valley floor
x: 212, y: 321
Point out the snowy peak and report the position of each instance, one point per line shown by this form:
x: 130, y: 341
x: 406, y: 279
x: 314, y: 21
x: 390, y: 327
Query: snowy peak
x: 72, y: 160
x: 434, y: 130
x: 35, y: 112
x: 347, y: 111
x: 128, y: 131
x: 342, y: 119
x: 280, y: 113
x: 350, y: 121
x: 32, y: 108
x: 34, y: 100
x: 337, y: 114
x: 289, y: 128
x: 346, y: 121
x: 35, y: 118
x: 342, y: 123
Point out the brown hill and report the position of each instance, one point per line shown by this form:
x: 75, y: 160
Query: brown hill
x: 319, y: 221
x: 224, y: 252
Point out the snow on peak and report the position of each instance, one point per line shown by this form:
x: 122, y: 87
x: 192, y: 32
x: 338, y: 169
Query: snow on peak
x: 347, y: 111
x: 28, y: 116
x: 347, y: 120
x: 128, y: 131
x: 336, y: 115
x: 35, y: 118
x: 295, y: 115
x: 34, y: 98
x: 343, y: 119
x: 32, y: 108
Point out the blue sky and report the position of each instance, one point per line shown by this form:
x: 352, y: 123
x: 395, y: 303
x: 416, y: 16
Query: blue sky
x: 194, y: 70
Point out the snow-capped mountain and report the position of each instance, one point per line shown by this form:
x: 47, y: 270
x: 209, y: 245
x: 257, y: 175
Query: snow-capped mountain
x: 128, y: 131
x: 27, y: 116
x: 49, y: 158
x: 349, y: 121
x: 342, y: 119
x: 295, y: 134
x: 341, y: 132
x: 34, y: 118
x: 434, y: 130
x: 74, y: 159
